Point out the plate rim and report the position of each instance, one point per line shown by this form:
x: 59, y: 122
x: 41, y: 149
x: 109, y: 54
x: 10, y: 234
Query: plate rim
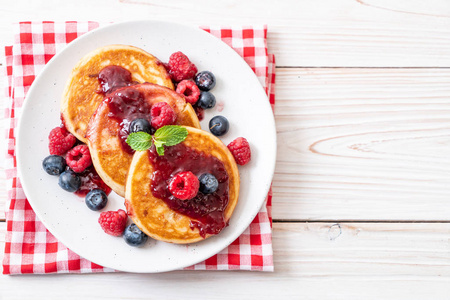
x: 20, y: 125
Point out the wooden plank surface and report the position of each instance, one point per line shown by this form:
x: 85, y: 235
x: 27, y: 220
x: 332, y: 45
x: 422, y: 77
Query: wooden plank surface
x: 313, y: 261
x: 361, y: 144
x: 371, y: 33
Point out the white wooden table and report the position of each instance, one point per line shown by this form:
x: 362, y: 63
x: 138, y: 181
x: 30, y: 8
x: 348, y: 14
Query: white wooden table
x: 362, y: 183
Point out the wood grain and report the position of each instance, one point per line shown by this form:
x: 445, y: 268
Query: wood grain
x: 356, y: 33
x: 360, y: 144
x: 312, y: 260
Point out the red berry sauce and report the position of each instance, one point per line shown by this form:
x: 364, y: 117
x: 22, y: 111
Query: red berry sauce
x: 200, y: 112
x: 112, y: 78
x: 91, y: 180
x: 208, y: 210
x: 125, y: 105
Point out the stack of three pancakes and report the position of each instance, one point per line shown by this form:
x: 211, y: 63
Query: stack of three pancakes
x: 86, y: 114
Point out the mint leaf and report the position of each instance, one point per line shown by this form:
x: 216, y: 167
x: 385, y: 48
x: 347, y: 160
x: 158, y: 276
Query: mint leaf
x: 158, y: 143
x: 165, y: 136
x: 170, y: 135
x: 139, y: 141
x: 160, y: 150
x: 159, y: 147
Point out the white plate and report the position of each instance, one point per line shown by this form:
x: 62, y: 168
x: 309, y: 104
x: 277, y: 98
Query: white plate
x: 67, y: 217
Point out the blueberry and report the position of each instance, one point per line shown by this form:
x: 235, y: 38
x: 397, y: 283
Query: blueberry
x: 206, y: 100
x: 208, y: 183
x: 205, y: 80
x: 219, y: 125
x: 140, y: 125
x: 54, y: 164
x: 96, y: 199
x: 69, y: 181
x: 134, y: 236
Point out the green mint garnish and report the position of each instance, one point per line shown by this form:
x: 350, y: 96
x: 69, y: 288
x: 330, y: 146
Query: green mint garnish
x: 169, y: 135
x: 159, y: 149
x: 139, y: 141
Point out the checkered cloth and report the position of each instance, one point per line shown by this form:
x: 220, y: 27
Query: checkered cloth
x: 30, y: 247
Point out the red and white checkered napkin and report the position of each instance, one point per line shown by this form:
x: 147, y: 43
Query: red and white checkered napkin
x: 30, y: 247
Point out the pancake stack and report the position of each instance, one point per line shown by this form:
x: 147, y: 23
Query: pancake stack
x: 86, y: 114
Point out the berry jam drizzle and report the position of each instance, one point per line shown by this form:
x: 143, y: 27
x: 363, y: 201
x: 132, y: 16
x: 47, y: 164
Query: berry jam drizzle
x: 112, y: 78
x: 91, y: 180
x: 208, y: 210
x: 200, y: 112
x: 125, y: 105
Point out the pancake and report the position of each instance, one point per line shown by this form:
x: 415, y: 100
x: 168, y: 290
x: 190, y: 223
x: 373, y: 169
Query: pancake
x: 108, y: 151
x: 152, y: 214
x: 81, y: 97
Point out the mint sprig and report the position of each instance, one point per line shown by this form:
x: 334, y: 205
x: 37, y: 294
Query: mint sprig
x: 139, y: 141
x: 169, y: 135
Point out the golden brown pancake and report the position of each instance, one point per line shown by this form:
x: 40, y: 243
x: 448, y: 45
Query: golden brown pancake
x: 80, y: 97
x: 108, y: 154
x: 152, y: 215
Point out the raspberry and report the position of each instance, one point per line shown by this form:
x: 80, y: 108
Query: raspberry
x: 79, y: 158
x: 184, y: 185
x: 240, y: 150
x: 162, y: 114
x: 60, y: 141
x: 189, y: 90
x: 180, y: 67
x: 113, y: 222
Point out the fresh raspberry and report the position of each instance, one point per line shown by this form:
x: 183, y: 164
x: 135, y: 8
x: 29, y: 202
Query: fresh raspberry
x: 79, y: 158
x: 184, y: 185
x: 180, y: 67
x: 60, y: 141
x: 189, y: 90
x: 162, y: 115
x: 240, y: 150
x: 113, y: 222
